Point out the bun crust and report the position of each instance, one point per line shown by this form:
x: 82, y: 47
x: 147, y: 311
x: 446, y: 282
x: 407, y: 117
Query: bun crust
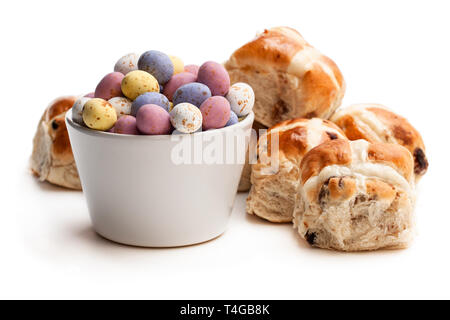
x: 375, y: 123
x: 356, y: 196
x: 291, y: 79
x: 336, y: 153
x: 52, y: 159
x: 276, y: 176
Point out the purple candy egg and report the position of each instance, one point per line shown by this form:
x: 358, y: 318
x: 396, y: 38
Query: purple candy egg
x: 215, y: 76
x: 110, y: 86
x: 215, y: 112
x: 126, y: 125
x: 152, y: 119
x: 90, y: 95
x: 192, y: 68
x: 177, y: 81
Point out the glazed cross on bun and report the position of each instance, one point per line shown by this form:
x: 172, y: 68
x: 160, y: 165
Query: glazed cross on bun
x: 52, y: 159
x: 291, y: 79
x: 272, y: 195
x: 375, y: 123
x: 356, y: 195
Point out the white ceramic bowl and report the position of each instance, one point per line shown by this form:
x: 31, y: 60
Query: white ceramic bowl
x: 137, y: 195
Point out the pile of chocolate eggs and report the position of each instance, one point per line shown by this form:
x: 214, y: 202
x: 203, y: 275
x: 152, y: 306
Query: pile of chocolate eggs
x: 155, y: 94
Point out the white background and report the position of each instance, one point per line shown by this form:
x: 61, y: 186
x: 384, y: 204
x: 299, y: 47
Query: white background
x: 391, y: 52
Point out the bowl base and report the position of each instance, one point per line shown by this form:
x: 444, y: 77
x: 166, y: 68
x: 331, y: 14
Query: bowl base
x: 158, y: 246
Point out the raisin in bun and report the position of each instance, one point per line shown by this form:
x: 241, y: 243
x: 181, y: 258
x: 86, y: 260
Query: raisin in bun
x: 276, y: 174
x: 355, y: 196
x: 291, y: 79
x: 375, y: 123
x: 52, y: 159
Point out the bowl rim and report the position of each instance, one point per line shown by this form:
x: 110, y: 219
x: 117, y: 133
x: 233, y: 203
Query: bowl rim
x: 248, y: 121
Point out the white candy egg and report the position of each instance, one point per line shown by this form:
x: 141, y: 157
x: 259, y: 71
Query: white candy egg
x: 122, y: 105
x: 241, y: 98
x: 176, y: 132
x: 127, y: 63
x: 186, y: 118
x: 77, y: 110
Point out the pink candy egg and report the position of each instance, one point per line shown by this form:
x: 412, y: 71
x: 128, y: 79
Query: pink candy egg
x: 192, y: 68
x: 152, y: 119
x: 177, y: 81
x: 110, y: 86
x: 215, y: 76
x: 126, y: 125
x: 215, y: 112
x: 90, y: 95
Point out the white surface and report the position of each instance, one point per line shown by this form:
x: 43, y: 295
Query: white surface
x: 394, y: 53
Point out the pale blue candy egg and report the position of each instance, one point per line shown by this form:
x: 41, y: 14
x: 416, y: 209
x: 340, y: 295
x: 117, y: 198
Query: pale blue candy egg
x: 158, y: 64
x: 233, y: 119
x: 150, y: 98
x: 194, y: 93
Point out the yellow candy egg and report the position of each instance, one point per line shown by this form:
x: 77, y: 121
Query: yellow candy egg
x: 138, y: 82
x: 178, y: 65
x: 99, y: 114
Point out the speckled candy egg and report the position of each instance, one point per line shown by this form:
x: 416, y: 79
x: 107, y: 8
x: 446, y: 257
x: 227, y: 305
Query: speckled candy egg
x: 194, y: 93
x: 149, y: 98
x: 152, y: 119
x: 241, y: 98
x: 126, y: 125
x: 215, y: 112
x: 98, y: 114
x: 127, y: 63
x: 215, y: 76
x: 186, y: 118
x: 110, y: 86
x: 192, y: 68
x: 157, y: 64
x: 122, y: 105
x: 178, y: 65
x: 176, y: 132
x: 177, y: 81
x: 77, y: 110
x: 138, y: 82
x: 233, y: 119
